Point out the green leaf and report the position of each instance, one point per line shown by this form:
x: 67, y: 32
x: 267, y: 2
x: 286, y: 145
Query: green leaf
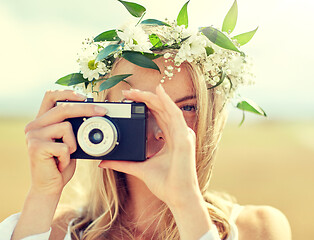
x: 218, y: 38
x: 155, y: 22
x: 152, y: 56
x: 222, y: 78
x: 139, y: 59
x: 155, y: 40
x: 110, y: 35
x: 243, y: 118
x: 134, y: 9
x: 209, y: 50
x: 250, y: 106
x: 110, y: 82
x: 244, y: 38
x: 230, y: 20
x: 71, y: 79
x: 182, y: 18
x: 231, y: 84
x: 107, y: 51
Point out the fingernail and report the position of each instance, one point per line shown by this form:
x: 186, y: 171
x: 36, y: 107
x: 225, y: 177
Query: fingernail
x: 161, y: 87
x: 100, y: 110
x: 99, y: 165
x: 134, y: 90
x: 125, y: 92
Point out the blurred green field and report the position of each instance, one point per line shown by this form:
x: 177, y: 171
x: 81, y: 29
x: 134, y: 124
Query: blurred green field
x: 269, y: 163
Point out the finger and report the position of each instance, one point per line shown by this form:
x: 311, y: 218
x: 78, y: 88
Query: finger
x: 162, y: 123
x: 61, y: 151
x: 51, y: 97
x: 159, y: 102
x: 128, y: 167
x: 48, y: 152
x: 169, y: 117
x: 171, y: 108
x: 64, y: 111
x: 178, y: 127
x: 152, y: 101
x: 61, y: 130
x: 69, y: 170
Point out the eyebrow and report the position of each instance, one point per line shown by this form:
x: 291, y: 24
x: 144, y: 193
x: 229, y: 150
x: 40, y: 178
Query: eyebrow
x: 185, y: 98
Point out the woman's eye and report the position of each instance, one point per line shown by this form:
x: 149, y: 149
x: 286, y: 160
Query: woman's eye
x: 189, y: 108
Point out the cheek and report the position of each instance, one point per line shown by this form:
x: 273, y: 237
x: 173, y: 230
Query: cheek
x: 191, y: 122
x: 151, y: 123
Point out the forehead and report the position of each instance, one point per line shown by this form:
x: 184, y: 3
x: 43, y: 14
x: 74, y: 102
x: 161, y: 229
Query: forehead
x: 144, y: 79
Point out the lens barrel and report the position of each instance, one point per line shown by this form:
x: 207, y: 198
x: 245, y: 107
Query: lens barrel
x: 96, y: 136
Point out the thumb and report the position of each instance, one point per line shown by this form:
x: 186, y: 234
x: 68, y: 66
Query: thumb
x: 128, y: 167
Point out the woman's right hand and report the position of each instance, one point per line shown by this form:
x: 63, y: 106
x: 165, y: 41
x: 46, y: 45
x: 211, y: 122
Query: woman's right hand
x: 51, y: 166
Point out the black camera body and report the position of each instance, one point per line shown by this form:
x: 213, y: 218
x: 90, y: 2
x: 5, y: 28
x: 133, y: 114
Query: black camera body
x: 119, y: 135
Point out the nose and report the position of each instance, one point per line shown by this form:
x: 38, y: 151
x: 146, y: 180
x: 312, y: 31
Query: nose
x: 153, y: 130
x: 158, y: 134
x: 155, y: 137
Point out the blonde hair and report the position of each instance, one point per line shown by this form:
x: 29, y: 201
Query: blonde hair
x: 103, y: 217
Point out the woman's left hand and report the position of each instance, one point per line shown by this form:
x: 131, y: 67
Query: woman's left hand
x: 171, y: 173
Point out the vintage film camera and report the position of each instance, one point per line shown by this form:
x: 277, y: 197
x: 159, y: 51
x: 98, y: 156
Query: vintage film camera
x: 119, y: 135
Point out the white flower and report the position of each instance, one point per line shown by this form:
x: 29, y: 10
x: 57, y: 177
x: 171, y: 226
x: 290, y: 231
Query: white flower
x: 192, y: 49
x: 216, y: 79
x: 80, y: 88
x: 170, y: 68
x: 212, y: 82
x: 168, y: 74
x: 134, y: 38
x: 86, y: 60
x: 235, y: 64
x: 167, y: 55
x: 209, y: 65
x: 173, y: 34
x: 90, y: 69
x: 88, y: 50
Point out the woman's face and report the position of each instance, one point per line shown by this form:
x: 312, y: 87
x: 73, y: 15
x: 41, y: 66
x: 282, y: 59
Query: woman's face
x: 179, y: 88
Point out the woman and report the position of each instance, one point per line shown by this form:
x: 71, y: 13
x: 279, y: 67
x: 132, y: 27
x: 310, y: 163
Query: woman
x: 168, y: 177
x: 164, y: 197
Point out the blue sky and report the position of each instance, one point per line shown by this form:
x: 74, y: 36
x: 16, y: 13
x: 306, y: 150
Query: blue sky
x: 40, y: 39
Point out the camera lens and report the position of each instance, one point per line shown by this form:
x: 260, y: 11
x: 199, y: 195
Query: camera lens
x: 96, y: 136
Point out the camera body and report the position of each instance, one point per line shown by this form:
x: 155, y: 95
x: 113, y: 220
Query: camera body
x: 119, y: 135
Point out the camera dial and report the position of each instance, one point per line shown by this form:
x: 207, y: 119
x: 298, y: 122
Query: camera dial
x: 97, y: 136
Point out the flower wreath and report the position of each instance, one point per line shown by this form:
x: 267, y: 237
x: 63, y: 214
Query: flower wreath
x: 216, y: 52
